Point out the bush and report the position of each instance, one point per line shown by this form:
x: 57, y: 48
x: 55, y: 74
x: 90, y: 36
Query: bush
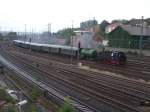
x: 2, y: 93
x: 67, y: 107
x: 9, y: 108
x: 9, y: 99
x: 35, y: 93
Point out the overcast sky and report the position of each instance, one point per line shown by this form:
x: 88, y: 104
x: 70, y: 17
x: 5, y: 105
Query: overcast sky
x: 36, y: 14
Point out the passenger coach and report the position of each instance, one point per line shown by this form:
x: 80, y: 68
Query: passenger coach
x: 109, y: 57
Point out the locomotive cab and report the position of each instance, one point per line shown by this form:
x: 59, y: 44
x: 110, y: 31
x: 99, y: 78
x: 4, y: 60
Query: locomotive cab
x: 118, y: 58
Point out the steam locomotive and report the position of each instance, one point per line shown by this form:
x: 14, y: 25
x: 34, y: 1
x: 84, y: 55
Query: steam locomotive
x: 109, y: 57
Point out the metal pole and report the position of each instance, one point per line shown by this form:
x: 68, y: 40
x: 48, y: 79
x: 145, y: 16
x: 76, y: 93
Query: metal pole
x: 31, y: 39
x: 141, y: 38
x: 49, y: 29
x: 20, y: 98
x: 72, y: 43
x: 78, y: 55
x: 25, y: 33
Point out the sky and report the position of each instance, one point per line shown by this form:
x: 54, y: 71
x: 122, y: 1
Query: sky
x: 36, y: 14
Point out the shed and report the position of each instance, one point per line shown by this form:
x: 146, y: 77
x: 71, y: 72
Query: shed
x: 127, y: 36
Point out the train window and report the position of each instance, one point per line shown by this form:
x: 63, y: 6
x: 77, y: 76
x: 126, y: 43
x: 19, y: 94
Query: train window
x: 112, y: 54
x: 115, y: 56
x: 121, y: 54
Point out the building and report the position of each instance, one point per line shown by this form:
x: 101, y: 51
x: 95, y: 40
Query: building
x: 128, y: 36
x: 82, y: 37
x: 138, y: 22
x: 111, y: 27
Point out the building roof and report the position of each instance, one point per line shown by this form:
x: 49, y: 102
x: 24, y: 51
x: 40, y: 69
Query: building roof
x: 135, y: 21
x: 114, y: 25
x: 82, y: 31
x: 47, y: 45
x: 135, y: 30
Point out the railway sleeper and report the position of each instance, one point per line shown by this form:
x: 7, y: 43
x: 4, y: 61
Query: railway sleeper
x: 144, y: 103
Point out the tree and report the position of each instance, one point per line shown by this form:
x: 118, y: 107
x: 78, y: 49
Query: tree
x: 1, y: 36
x: 12, y: 35
x: 10, y: 108
x: 103, y: 25
x: 66, y: 34
x: 9, y: 99
x: 35, y: 93
x: 98, y: 34
x: 148, y: 21
x: 67, y: 107
x: 121, y: 21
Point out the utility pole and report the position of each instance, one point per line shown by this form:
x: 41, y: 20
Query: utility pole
x: 30, y: 39
x: 79, y: 49
x: 72, y: 43
x: 49, y: 28
x: 25, y: 33
x: 32, y: 36
x: 141, y: 38
x: 19, y: 98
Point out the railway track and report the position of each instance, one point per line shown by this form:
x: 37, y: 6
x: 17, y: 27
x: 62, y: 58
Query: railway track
x: 45, y: 63
x: 133, y: 69
x: 55, y: 92
x: 139, y: 59
x: 97, y: 80
x: 139, y: 86
x: 82, y: 88
x: 24, y: 87
x: 103, y: 83
x: 78, y: 75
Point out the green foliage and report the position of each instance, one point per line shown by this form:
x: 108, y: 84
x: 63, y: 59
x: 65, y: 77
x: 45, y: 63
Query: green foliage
x: 5, y: 96
x: 1, y: 36
x: 9, y: 36
x: 67, y: 107
x: 2, y: 93
x: 11, y: 108
x: 121, y: 21
x: 103, y: 25
x: 88, y: 24
x: 12, y: 35
x: 33, y: 108
x: 100, y: 34
x: 9, y: 99
x: 35, y: 93
x: 66, y: 34
x: 148, y: 21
